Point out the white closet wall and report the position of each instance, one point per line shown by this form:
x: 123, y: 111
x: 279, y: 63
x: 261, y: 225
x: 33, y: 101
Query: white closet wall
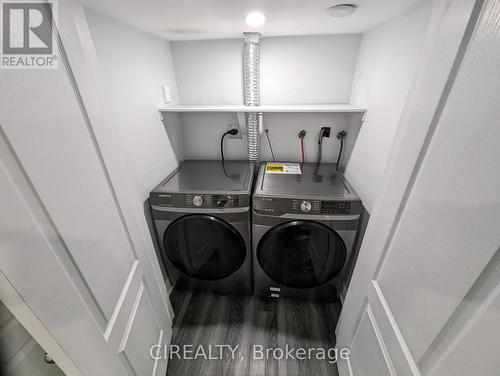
x: 202, y: 133
x: 387, y: 59
x: 209, y: 71
x: 294, y: 70
x: 308, y: 69
x: 134, y: 66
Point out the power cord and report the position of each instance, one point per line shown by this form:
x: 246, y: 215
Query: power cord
x: 302, y: 135
x: 324, y: 132
x: 340, y: 136
x: 232, y: 132
x: 270, y: 145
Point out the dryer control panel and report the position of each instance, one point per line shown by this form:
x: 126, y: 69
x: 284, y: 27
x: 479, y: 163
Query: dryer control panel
x: 200, y: 200
x: 213, y: 201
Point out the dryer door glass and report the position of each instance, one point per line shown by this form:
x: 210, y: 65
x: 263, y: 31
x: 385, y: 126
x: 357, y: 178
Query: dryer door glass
x: 301, y: 254
x: 204, y: 247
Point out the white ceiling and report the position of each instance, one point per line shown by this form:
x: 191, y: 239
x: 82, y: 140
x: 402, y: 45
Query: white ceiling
x: 215, y: 19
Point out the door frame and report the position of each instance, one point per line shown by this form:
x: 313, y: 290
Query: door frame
x: 449, y: 33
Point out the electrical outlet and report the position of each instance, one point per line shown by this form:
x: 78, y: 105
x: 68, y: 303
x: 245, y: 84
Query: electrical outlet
x: 325, y: 131
x: 167, y: 95
x: 234, y: 126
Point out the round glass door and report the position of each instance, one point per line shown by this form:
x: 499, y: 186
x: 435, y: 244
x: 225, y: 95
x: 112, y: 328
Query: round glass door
x: 301, y: 254
x: 204, y: 247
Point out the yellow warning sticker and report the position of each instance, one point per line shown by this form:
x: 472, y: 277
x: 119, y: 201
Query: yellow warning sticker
x: 274, y: 167
x: 283, y: 168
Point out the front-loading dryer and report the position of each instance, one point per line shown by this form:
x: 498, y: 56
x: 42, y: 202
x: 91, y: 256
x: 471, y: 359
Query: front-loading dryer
x: 305, y: 220
x: 201, y: 213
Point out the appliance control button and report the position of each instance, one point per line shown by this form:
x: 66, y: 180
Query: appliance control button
x: 197, y: 200
x: 305, y: 206
x: 222, y: 202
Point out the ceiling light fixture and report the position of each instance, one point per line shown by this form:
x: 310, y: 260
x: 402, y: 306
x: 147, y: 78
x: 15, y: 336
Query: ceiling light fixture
x: 255, y: 19
x: 341, y: 10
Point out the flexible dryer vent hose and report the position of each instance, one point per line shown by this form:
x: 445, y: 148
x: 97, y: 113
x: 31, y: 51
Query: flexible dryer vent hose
x: 251, y: 78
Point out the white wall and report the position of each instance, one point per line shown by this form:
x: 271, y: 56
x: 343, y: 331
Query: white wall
x: 384, y: 72
x: 134, y: 66
x: 203, y: 141
x: 209, y: 72
x: 306, y: 69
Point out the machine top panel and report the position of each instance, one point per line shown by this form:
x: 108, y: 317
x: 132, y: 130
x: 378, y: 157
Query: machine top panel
x: 209, y: 176
x: 321, y: 181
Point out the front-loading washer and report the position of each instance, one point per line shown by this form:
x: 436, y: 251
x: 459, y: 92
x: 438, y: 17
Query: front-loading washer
x: 201, y: 213
x: 305, y: 220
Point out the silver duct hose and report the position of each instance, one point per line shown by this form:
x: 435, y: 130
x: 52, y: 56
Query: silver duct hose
x: 251, y: 81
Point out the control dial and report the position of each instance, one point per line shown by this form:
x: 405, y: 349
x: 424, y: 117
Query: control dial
x: 197, y: 200
x: 305, y: 206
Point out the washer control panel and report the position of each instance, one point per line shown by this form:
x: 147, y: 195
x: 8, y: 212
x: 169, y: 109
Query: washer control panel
x: 280, y: 206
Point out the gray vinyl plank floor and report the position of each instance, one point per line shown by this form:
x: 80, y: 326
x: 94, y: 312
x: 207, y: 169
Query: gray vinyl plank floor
x: 207, y: 319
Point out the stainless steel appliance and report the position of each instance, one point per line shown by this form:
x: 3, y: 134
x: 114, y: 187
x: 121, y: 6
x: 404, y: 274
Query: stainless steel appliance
x: 201, y: 214
x: 304, y: 227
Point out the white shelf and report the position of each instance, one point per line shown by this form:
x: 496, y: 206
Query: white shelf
x: 338, y: 107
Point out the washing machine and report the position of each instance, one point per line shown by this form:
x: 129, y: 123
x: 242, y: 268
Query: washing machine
x: 201, y: 213
x: 305, y: 220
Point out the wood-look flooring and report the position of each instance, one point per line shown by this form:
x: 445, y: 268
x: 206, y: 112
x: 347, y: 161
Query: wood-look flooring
x: 204, y: 318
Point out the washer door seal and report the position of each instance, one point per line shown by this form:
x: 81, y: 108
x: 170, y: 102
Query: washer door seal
x: 301, y: 254
x: 204, y: 247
